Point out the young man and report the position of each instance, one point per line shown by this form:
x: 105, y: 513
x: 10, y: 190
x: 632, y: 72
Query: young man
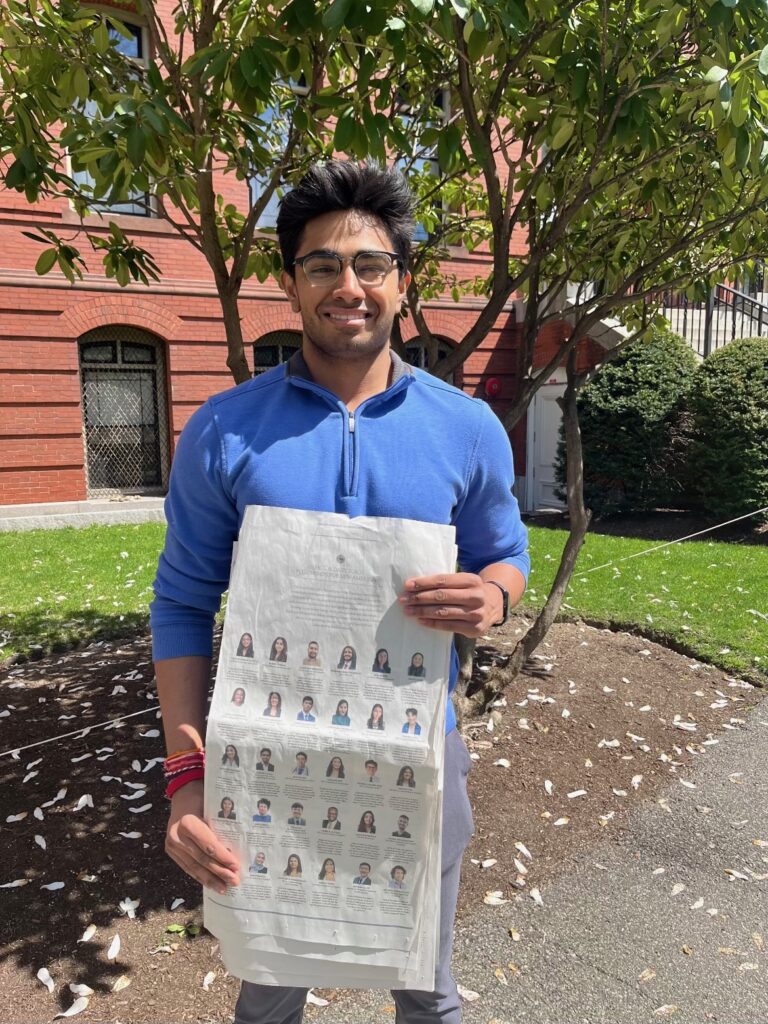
x: 297, y: 815
x: 402, y: 828
x: 305, y: 715
x: 344, y: 427
x: 363, y: 878
x: 264, y: 763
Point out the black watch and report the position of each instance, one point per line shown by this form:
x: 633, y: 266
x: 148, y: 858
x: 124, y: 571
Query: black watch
x: 505, y: 603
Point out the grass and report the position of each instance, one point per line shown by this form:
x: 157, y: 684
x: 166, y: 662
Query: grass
x: 72, y: 585
x: 701, y: 597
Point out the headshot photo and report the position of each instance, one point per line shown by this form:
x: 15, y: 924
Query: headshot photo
x: 376, y: 719
x: 348, y: 659
x: 367, y: 823
x: 238, y: 697
x: 293, y: 867
x: 259, y: 866
x: 342, y: 714
x: 264, y: 764
x: 305, y: 715
x: 363, y: 876
x: 228, y: 809
x: 331, y: 821
x: 245, y: 647
x: 371, y: 767
x: 297, y: 815
x: 312, y: 659
x: 279, y: 649
x: 411, y: 726
x: 262, y: 817
x: 327, y: 872
x: 301, y: 767
x: 402, y: 828
x: 335, y: 769
x: 381, y: 661
x: 230, y: 758
x: 405, y: 777
x: 416, y: 667
x: 397, y: 877
x: 274, y: 708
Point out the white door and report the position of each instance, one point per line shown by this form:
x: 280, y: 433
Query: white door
x: 544, y: 419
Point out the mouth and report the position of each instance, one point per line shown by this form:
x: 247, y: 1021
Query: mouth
x: 348, y: 317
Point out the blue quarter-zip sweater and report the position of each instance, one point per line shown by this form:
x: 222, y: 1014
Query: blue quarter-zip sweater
x: 422, y: 450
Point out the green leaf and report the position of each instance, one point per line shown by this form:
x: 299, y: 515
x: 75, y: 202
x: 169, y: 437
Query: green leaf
x: 80, y: 82
x: 176, y: 929
x: 337, y: 13
x: 743, y: 147
x: 424, y: 7
x: 716, y: 73
x: 461, y: 8
x: 345, y: 131
x: 740, y: 103
x: 136, y: 144
x: 729, y: 3
x: 45, y: 261
x: 563, y: 134
x: 762, y: 63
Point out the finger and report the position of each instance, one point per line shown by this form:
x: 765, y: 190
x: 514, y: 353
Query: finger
x: 469, y: 598
x: 446, y: 611
x: 454, y: 580
x: 204, y: 844
x: 195, y: 870
x: 460, y: 626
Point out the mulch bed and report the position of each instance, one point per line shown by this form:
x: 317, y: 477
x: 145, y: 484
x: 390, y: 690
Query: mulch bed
x: 614, y: 687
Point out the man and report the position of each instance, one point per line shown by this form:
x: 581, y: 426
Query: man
x: 301, y: 768
x: 264, y: 762
x: 332, y: 823
x: 263, y: 817
x: 259, y: 866
x: 402, y: 825
x: 364, y: 876
x: 371, y: 767
x: 305, y: 715
x: 411, y: 726
x: 413, y: 448
x: 312, y: 660
x: 397, y: 877
x: 297, y: 815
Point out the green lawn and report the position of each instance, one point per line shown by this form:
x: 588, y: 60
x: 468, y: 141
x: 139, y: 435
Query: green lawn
x: 704, y: 597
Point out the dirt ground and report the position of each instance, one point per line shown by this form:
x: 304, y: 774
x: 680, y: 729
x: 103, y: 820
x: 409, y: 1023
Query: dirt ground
x: 597, y: 722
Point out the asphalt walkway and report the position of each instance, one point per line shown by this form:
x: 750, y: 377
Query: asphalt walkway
x: 651, y: 929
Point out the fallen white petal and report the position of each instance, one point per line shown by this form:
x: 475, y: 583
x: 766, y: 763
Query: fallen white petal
x: 140, y: 810
x: 494, y: 899
x: 16, y: 817
x: 77, y: 1007
x: 129, y: 906
x: 576, y: 792
x: 484, y: 863
x: 536, y: 897
x: 41, y: 842
x: 177, y: 903
x: 467, y: 994
x: 548, y: 787
x: 79, y: 989
x: 44, y: 976
x: 53, y: 886
x: 16, y: 883
x: 501, y: 763
x: 209, y: 979
x: 677, y: 888
x: 316, y: 1000
x: 122, y: 982
x: 130, y: 835
x: 114, y: 948
x: 88, y: 934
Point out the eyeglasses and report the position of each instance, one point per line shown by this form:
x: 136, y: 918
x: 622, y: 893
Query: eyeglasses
x: 323, y: 269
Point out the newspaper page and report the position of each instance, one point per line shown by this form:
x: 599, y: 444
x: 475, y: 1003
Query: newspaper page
x: 324, y: 750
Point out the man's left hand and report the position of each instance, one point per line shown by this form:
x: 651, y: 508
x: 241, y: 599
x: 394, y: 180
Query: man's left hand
x: 459, y: 602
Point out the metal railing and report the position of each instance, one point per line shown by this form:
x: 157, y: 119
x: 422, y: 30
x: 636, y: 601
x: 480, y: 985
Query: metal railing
x: 725, y: 315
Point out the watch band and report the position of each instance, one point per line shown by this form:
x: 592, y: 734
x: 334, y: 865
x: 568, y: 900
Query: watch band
x: 505, y: 603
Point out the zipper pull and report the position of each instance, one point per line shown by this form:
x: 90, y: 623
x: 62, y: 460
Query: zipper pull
x: 351, y: 423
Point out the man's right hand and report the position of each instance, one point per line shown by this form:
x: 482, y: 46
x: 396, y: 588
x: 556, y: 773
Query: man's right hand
x: 195, y: 848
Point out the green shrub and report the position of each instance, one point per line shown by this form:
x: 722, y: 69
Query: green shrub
x: 728, y: 454
x: 628, y: 415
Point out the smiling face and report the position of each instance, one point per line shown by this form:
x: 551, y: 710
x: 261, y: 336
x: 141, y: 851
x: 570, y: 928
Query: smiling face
x: 370, y: 770
x: 246, y: 640
x: 313, y: 650
x: 347, y: 654
x: 279, y: 645
x: 238, y: 697
x: 345, y: 320
x: 368, y: 819
x: 398, y: 874
x: 332, y: 814
x: 293, y: 864
x: 227, y: 805
x: 231, y: 752
x: 274, y: 700
x: 343, y: 707
x: 418, y: 660
x: 377, y: 712
x: 301, y: 760
x: 265, y: 756
x: 307, y: 705
x: 336, y: 764
x: 402, y: 822
x: 260, y: 858
x: 263, y: 808
x: 382, y: 657
x: 364, y: 870
x: 407, y: 775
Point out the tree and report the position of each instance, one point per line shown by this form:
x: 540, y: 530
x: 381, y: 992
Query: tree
x: 598, y: 153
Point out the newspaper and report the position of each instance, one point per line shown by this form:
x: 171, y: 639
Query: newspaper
x: 324, y: 752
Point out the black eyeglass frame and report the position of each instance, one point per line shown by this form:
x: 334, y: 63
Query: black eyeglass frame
x: 397, y: 260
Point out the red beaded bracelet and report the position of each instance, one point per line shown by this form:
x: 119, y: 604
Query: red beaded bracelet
x: 182, y: 778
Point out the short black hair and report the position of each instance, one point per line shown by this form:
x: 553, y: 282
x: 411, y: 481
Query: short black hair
x: 336, y: 185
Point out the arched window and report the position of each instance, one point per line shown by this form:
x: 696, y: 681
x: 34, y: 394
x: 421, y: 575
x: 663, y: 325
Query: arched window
x: 416, y: 355
x: 122, y: 373
x: 273, y: 349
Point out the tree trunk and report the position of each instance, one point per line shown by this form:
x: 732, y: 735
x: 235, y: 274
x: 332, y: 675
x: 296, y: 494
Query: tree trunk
x: 579, y: 518
x: 236, y: 359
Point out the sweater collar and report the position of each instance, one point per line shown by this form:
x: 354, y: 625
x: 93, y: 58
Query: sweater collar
x: 296, y: 367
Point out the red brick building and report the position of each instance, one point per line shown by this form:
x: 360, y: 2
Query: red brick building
x: 97, y: 381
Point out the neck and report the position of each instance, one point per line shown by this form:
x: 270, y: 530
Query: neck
x: 352, y: 380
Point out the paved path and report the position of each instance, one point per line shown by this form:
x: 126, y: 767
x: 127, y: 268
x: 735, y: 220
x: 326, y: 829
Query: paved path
x: 54, y: 515
x: 581, y: 954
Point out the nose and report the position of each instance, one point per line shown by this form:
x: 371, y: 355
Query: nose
x: 347, y: 286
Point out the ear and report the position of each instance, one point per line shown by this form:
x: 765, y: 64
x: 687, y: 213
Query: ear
x: 288, y: 284
x: 402, y: 284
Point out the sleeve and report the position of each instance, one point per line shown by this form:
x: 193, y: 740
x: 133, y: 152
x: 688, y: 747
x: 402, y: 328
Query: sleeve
x: 194, y: 567
x: 488, y: 524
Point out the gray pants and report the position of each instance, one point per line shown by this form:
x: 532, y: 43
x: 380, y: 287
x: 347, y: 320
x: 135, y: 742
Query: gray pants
x: 269, y: 1004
